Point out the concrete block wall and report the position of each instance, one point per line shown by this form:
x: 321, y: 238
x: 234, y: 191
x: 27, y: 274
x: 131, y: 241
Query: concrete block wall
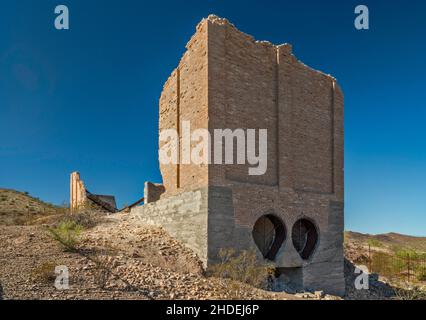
x: 188, y: 217
x: 183, y: 216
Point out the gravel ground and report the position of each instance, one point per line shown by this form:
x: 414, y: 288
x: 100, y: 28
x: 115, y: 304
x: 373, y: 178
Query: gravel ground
x: 119, y: 259
x: 116, y: 260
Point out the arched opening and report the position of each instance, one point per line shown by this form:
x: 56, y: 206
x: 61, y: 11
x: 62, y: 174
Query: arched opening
x: 305, y: 238
x: 269, y: 234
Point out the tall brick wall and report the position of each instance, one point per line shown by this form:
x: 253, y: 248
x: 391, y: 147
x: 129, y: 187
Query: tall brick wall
x: 258, y: 85
x: 184, y: 98
x: 226, y: 79
x: 242, y: 94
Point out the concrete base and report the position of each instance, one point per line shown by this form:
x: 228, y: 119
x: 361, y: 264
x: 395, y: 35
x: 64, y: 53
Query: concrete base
x: 204, y: 221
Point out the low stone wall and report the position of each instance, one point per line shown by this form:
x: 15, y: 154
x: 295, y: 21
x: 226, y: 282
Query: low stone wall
x: 184, y: 216
x: 202, y: 219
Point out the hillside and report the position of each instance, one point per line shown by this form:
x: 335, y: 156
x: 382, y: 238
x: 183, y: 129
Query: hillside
x: 388, y: 241
x: 19, y: 208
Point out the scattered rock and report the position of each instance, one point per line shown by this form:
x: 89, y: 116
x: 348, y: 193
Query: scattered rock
x: 132, y: 262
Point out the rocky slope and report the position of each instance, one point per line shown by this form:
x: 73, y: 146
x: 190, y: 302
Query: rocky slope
x: 18, y: 208
x: 130, y: 263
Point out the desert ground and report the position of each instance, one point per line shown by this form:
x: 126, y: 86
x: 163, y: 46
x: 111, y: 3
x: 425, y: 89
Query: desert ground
x: 114, y: 257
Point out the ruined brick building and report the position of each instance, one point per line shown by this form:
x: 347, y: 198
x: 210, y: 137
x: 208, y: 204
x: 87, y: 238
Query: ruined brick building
x: 293, y: 214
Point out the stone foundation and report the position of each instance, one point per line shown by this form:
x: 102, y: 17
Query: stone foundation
x: 204, y: 221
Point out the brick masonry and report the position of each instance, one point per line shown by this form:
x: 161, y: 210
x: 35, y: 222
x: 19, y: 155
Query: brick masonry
x: 226, y: 79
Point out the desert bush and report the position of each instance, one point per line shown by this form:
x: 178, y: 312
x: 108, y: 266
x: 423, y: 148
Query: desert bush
x: 421, y: 273
x: 45, y: 273
x: 86, y: 219
x: 404, y: 264
x: 383, y: 264
x: 102, y: 271
x: 67, y: 234
x: 242, y: 268
x: 375, y: 243
x: 410, y: 293
x: 408, y: 254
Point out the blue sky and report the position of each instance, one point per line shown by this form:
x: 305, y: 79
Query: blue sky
x: 87, y: 99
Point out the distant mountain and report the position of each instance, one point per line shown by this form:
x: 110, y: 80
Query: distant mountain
x: 388, y: 240
x: 19, y: 208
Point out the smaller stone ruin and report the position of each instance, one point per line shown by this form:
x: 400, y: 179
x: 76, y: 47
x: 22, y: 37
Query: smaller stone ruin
x: 81, y: 198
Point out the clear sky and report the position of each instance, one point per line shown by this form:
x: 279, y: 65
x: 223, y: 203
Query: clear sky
x: 86, y: 99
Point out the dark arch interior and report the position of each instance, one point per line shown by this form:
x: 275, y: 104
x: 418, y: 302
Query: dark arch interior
x: 269, y: 234
x: 305, y: 238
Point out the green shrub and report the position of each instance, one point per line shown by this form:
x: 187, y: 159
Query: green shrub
x: 242, y: 268
x: 408, y: 254
x: 67, y: 234
x: 375, y: 243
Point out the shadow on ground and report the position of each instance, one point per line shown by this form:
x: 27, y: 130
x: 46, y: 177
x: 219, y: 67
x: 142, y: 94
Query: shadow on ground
x: 377, y: 289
